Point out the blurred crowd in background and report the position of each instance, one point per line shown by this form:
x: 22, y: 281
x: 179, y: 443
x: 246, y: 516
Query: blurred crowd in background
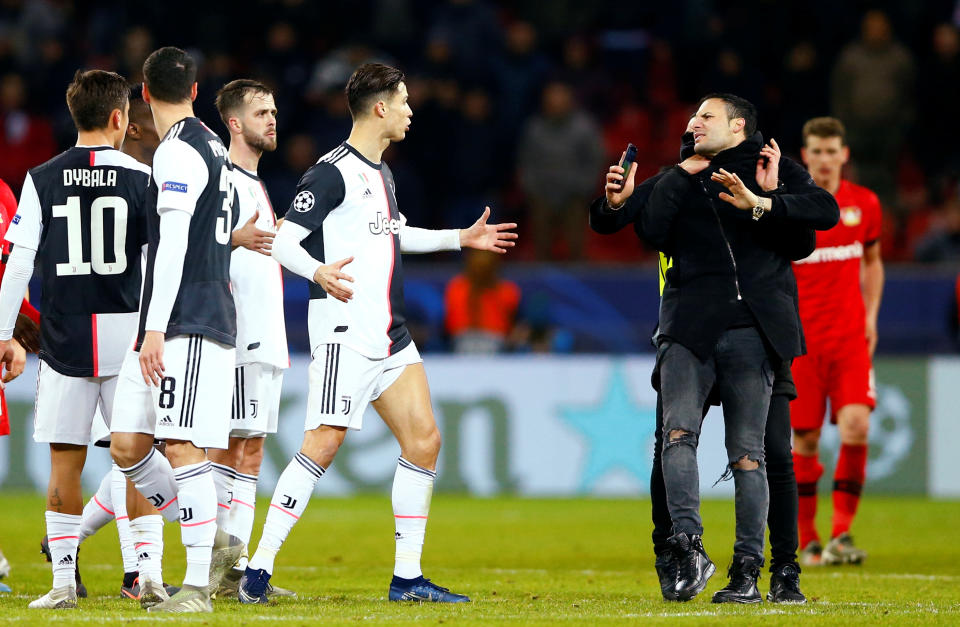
x: 522, y: 105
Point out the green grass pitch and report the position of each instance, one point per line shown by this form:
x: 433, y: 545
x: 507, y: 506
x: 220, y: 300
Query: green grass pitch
x: 573, y: 561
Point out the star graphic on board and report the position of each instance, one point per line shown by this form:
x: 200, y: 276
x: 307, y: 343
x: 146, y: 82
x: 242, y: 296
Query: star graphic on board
x: 618, y: 433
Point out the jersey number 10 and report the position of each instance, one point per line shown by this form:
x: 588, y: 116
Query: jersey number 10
x: 75, y: 264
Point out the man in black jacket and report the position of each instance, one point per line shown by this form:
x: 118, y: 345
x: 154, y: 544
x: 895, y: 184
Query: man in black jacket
x: 728, y: 313
x: 794, y: 242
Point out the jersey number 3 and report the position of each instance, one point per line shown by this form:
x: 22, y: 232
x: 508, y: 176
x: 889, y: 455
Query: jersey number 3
x: 75, y: 264
x: 225, y: 223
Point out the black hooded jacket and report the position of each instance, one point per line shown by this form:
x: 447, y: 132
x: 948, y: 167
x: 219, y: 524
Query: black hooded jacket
x: 722, y: 257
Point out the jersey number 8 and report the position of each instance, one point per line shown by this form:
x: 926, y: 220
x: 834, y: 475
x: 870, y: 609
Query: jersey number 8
x: 75, y: 264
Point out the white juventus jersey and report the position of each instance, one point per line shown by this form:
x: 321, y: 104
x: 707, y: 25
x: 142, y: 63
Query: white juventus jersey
x: 257, y: 282
x: 348, y: 204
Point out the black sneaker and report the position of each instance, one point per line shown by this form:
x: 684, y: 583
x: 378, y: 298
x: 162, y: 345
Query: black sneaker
x: 666, y: 566
x: 694, y: 568
x: 742, y: 588
x: 785, y: 584
x: 81, y: 589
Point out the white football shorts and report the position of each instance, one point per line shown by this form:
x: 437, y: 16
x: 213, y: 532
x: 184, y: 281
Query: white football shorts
x: 193, y: 400
x: 66, y: 405
x: 343, y: 382
x: 256, y: 400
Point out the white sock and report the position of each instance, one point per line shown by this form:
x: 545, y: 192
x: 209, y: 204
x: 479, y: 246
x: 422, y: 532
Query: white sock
x: 412, y: 491
x: 147, y: 533
x: 118, y: 492
x: 197, y: 496
x: 289, y: 500
x: 223, y: 478
x: 63, y: 535
x: 98, y: 511
x: 243, y: 507
x: 154, y: 479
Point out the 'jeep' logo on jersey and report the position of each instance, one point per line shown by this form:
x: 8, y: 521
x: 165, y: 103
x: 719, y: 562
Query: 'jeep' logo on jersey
x: 383, y: 225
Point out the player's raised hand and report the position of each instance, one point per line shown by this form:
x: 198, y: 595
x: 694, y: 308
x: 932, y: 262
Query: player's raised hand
x: 493, y: 237
x: 768, y: 166
x: 618, y: 188
x: 740, y: 195
x: 329, y: 276
x: 151, y: 357
x: 252, y: 238
x: 17, y: 362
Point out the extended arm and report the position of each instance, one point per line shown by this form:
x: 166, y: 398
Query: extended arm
x: 291, y: 255
x: 803, y: 202
x: 871, y: 277
x: 604, y: 219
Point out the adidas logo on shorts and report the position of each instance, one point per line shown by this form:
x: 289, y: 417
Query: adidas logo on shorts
x: 166, y: 420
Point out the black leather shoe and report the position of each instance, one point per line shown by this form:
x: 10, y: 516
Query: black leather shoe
x: 785, y: 584
x: 666, y: 566
x: 742, y: 588
x: 694, y: 568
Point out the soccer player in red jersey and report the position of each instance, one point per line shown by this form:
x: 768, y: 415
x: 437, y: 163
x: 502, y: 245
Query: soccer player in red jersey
x: 840, y: 285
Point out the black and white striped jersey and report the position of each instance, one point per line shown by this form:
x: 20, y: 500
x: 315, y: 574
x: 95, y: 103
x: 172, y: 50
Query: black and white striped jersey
x: 84, y: 212
x: 349, y: 205
x: 192, y: 172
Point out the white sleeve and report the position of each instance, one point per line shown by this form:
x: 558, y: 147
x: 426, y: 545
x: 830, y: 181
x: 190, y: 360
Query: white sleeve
x: 27, y: 225
x: 414, y: 240
x: 181, y: 176
x: 168, y: 267
x: 14, y: 286
x: 290, y: 254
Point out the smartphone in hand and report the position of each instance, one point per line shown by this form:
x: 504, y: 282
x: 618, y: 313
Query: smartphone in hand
x: 630, y: 155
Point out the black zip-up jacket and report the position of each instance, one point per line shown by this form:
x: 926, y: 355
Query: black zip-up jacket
x: 722, y: 256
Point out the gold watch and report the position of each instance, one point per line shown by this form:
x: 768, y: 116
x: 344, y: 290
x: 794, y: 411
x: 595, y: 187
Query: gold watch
x: 758, y: 210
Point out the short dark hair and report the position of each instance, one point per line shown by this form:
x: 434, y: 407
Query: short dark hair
x: 370, y: 80
x: 737, y: 107
x: 139, y: 110
x: 92, y: 95
x: 233, y: 95
x: 170, y: 74
x: 825, y: 127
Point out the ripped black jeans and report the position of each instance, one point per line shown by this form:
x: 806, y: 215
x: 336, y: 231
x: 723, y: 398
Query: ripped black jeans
x: 740, y: 370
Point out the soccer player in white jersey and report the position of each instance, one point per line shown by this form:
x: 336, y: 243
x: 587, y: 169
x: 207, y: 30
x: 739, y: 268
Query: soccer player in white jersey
x: 248, y: 110
x: 91, y: 292
x: 139, y: 526
x: 345, y: 209
x: 185, y: 345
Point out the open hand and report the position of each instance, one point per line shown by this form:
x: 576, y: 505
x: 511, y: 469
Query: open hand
x: 493, y: 237
x: 252, y: 238
x: 329, y: 276
x: 740, y: 195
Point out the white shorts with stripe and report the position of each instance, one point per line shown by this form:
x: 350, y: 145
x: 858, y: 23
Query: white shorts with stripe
x: 256, y: 400
x: 194, y: 397
x: 343, y: 382
x: 66, y: 406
